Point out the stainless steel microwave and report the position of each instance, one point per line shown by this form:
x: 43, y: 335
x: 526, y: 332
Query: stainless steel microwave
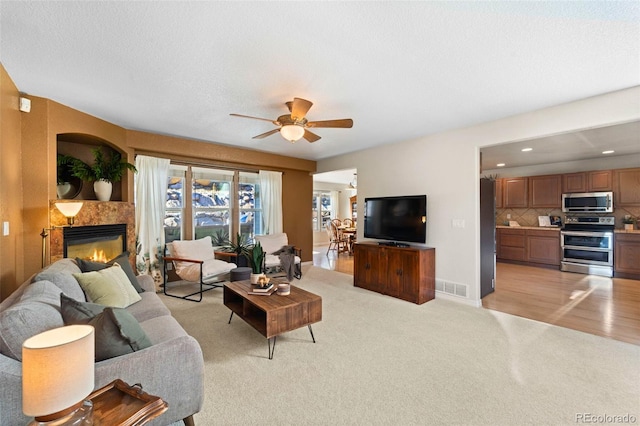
x: 588, y: 202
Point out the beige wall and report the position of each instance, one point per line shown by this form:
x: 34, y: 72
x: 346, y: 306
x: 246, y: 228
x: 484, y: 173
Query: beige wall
x: 11, y: 248
x: 446, y: 167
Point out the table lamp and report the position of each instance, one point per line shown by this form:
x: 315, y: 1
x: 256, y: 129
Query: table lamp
x: 57, y: 376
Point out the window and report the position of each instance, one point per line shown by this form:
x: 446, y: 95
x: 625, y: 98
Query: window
x: 250, y: 205
x: 321, y: 208
x: 211, y: 202
x: 214, y: 210
x: 175, y: 204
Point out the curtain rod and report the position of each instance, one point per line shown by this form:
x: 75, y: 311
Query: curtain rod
x: 181, y: 161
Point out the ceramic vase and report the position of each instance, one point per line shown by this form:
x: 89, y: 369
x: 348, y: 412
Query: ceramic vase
x: 254, y: 278
x: 628, y: 226
x: 103, y: 189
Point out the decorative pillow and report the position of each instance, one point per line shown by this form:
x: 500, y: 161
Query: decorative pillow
x: 37, y: 310
x: 64, y: 281
x: 116, y: 331
x: 108, y: 287
x: 201, y: 249
x: 122, y: 260
x: 75, y: 312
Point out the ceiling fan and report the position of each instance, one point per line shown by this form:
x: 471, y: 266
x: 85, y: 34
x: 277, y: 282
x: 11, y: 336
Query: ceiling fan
x: 294, y: 126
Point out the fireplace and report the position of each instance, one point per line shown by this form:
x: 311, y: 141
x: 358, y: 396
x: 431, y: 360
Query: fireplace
x: 99, y: 243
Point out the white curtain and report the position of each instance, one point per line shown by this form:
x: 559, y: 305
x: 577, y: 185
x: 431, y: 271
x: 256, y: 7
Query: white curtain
x: 150, y: 198
x: 271, y: 189
x: 335, y: 202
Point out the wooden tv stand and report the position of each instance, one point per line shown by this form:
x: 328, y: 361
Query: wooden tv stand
x: 407, y: 273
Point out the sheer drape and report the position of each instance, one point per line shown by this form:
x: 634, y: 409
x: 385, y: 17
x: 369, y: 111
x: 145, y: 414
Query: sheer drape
x: 150, y: 198
x: 271, y: 189
x: 335, y: 201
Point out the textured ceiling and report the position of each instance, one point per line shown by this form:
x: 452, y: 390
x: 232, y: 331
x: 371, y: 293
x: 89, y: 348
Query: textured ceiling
x: 400, y: 70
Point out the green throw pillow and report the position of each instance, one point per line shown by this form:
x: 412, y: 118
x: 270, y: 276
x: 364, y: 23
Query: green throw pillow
x: 117, y: 332
x: 108, y: 287
x: 75, y: 312
x: 121, y: 259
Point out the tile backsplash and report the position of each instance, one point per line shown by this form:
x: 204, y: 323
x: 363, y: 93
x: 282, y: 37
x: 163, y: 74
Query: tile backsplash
x: 529, y: 217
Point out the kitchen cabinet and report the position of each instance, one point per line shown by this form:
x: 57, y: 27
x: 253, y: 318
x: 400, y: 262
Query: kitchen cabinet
x: 515, y: 192
x: 594, y: 181
x: 626, y: 257
x: 499, y: 203
x: 545, y: 191
x: 627, y: 188
x: 510, y: 244
x: 528, y: 246
x: 543, y: 247
x: 406, y: 273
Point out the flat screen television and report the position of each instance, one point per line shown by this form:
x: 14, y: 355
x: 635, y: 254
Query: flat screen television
x: 398, y: 219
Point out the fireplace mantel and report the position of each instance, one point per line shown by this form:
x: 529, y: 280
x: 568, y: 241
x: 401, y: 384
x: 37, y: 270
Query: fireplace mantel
x: 92, y: 213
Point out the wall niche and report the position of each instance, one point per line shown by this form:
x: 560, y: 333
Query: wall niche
x: 79, y: 145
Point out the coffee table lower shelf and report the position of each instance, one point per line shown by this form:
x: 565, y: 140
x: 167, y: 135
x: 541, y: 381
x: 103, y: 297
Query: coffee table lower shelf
x: 273, y: 315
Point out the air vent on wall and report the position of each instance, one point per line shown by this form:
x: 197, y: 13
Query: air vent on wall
x: 452, y: 288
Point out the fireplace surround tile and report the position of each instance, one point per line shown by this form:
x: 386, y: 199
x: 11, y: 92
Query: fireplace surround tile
x: 92, y: 213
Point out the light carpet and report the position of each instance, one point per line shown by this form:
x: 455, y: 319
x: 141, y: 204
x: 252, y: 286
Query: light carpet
x: 383, y: 361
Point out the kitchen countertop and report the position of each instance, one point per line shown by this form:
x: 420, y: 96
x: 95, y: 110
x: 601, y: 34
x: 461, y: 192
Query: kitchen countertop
x: 555, y: 228
x: 541, y: 228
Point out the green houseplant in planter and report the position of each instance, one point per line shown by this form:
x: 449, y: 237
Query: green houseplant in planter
x: 105, y: 170
x: 256, y: 255
x: 241, y: 247
x: 67, y: 185
x: 628, y: 221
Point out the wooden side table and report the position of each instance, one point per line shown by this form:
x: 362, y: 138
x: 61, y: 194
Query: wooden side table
x: 118, y: 404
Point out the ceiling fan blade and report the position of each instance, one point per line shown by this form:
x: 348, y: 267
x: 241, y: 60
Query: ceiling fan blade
x: 264, y: 135
x: 343, y: 123
x: 299, y: 108
x: 311, y: 137
x: 255, y: 118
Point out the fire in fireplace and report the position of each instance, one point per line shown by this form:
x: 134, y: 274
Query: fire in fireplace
x: 99, y: 243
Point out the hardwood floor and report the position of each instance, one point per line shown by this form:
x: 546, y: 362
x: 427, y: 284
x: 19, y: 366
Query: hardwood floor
x: 341, y: 262
x: 608, y: 307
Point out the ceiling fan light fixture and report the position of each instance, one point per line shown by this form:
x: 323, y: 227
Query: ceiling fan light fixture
x: 292, y: 132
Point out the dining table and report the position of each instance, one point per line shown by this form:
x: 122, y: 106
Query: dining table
x: 350, y: 232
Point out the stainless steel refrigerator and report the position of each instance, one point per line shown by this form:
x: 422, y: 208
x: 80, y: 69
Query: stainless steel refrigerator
x: 487, y: 236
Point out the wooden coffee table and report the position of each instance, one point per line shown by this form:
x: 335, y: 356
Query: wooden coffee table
x: 273, y: 315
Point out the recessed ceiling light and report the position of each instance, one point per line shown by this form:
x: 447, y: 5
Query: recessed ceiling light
x: 608, y: 152
x: 527, y: 149
x: 500, y: 164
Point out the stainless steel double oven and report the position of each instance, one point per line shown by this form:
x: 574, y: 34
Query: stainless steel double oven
x: 587, y: 245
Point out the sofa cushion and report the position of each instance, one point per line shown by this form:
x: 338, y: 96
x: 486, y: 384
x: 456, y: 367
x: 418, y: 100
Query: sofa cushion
x: 150, y: 306
x: 75, y: 312
x: 108, y: 287
x: 122, y: 260
x: 210, y: 268
x: 37, y: 310
x: 272, y: 242
x: 60, y: 273
x: 117, y: 332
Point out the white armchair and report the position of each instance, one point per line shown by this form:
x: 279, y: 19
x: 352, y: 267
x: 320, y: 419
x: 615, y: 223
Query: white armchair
x: 194, y: 262
x: 272, y: 244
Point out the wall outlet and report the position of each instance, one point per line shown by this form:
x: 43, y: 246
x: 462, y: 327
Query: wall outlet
x: 457, y: 223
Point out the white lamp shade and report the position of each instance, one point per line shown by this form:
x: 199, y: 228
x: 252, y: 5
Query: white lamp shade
x: 69, y: 209
x: 292, y: 132
x: 57, y: 369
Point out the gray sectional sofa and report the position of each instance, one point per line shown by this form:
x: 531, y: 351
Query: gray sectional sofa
x: 172, y: 367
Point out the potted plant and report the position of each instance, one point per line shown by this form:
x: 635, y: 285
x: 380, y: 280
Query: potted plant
x: 64, y: 175
x: 105, y: 170
x: 628, y: 221
x: 256, y: 255
x: 241, y: 247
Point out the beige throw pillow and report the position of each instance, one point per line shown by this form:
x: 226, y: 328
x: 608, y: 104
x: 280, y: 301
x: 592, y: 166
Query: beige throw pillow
x: 108, y: 287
